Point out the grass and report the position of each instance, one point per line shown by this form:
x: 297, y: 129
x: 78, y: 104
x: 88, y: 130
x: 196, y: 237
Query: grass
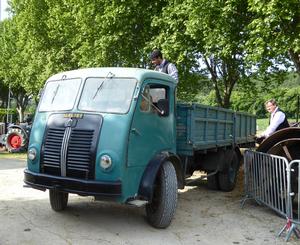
x: 5, y: 154
x: 263, y: 123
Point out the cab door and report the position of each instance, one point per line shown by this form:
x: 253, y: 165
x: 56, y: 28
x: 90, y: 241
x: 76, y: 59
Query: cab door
x: 151, y: 132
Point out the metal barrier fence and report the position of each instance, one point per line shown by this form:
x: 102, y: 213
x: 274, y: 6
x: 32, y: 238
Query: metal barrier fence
x: 293, y: 215
x: 272, y: 181
x: 266, y: 180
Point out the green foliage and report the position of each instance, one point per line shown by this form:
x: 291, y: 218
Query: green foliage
x: 261, y: 124
x: 285, y: 92
x: 48, y: 36
x: 61, y: 35
x: 13, y: 65
x: 274, y: 32
x: 222, y: 49
x: 207, y: 38
x: 4, y: 112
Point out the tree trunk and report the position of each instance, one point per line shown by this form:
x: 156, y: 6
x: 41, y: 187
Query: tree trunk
x: 20, y: 113
x: 3, y: 96
x: 295, y: 57
x: 22, y: 102
x: 224, y: 80
x: 226, y: 100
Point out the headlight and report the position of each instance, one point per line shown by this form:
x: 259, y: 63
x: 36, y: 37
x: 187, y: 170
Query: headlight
x: 32, y: 154
x: 105, y: 162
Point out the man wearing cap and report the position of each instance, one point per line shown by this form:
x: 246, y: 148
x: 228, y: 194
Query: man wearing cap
x: 163, y: 65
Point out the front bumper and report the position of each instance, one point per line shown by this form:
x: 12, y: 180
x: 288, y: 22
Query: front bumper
x: 82, y: 187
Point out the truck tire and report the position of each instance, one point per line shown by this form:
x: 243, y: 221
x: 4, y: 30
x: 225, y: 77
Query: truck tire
x: 228, y: 177
x: 16, y: 140
x: 58, y: 200
x: 161, y: 209
x: 213, y: 182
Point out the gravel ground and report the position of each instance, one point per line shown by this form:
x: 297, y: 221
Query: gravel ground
x: 202, y: 217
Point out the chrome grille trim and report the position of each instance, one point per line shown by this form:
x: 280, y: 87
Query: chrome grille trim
x: 64, y: 152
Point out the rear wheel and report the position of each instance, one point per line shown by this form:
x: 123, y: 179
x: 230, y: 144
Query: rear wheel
x: 213, y: 182
x: 58, y: 200
x: 161, y: 209
x: 227, y: 178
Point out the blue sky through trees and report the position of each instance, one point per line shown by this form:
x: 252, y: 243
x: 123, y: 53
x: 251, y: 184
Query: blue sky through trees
x: 3, y: 6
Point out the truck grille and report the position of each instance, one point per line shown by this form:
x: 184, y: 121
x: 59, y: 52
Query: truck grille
x: 52, y: 147
x: 70, y: 145
x: 78, y: 155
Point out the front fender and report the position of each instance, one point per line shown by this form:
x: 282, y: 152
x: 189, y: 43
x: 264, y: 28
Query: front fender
x: 149, y: 175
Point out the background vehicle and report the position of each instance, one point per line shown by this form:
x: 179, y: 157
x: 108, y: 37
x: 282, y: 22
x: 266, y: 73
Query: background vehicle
x: 118, y: 134
x: 15, y: 137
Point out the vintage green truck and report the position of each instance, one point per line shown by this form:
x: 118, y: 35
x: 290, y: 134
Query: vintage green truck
x: 118, y: 134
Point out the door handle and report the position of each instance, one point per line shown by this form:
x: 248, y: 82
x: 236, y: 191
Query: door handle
x: 135, y: 131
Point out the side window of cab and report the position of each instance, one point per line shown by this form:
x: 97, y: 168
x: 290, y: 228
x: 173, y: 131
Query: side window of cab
x: 155, y: 99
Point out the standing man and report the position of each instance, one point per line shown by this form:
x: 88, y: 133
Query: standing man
x: 163, y: 65
x: 278, y: 119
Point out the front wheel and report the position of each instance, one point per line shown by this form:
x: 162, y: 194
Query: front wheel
x: 58, y: 200
x: 161, y: 209
x: 228, y: 177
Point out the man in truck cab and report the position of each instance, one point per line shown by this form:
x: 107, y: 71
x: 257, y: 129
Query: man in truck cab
x: 163, y: 65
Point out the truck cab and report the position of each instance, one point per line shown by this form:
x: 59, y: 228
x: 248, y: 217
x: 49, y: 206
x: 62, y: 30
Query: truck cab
x: 108, y: 133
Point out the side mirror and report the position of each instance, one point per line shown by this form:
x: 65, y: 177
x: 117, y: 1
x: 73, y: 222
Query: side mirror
x: 163, y: 106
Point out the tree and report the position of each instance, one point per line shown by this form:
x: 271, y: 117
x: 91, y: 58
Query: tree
x: 275, y: 31
x: 12, y: 64
x: 70, y: 34
x: 114, y: 33
x: 48, y: 36
x: 59, y: 35
x: 208, y: 37
x: 213, y: 43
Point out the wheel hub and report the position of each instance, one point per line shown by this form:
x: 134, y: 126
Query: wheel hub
x: 15, y: 141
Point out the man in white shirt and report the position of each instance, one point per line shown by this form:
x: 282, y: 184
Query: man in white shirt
x: 163, y: 65
x: 278, y: 119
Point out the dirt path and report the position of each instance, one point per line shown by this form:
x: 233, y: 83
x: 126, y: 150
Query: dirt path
x: 202, y: 217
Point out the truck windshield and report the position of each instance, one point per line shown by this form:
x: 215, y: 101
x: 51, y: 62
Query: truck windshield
x: 111, y: 95
x: 59, y: 95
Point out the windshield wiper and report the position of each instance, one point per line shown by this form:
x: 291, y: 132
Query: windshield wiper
x: 108, y: 76
x: 55, y: 92
x: 98, y: 89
